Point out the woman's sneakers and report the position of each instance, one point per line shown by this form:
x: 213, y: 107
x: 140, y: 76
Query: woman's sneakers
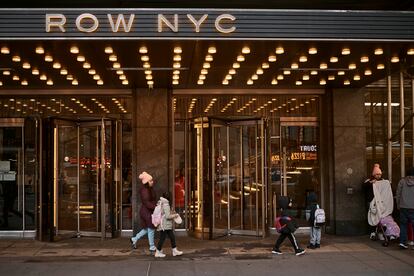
x: 133, y: 243
x: 159, y: 254
x: 176, y: 252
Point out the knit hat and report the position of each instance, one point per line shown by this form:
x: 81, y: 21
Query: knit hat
x: 376, y: 170
x: 145, y: 177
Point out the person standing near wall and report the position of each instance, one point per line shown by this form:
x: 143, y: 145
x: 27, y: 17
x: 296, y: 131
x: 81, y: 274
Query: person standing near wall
x: 369, y: 192
x: 405, y: 203
x: 148, y: 203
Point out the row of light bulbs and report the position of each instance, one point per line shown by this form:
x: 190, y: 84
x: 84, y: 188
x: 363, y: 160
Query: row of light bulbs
x: 32, y: 104
x: 86, y: 65
x: 236, y: 65
x: 192, y: 104
x: 176, y: 65
x: 177, y: 50
x: 146, y: 65
x: 112, y: 57
x: 119, y: 104
x: 267, y: 105
x: 206, y: 65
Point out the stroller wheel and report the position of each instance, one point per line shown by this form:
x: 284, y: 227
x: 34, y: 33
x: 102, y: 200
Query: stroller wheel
x: 385, y: 244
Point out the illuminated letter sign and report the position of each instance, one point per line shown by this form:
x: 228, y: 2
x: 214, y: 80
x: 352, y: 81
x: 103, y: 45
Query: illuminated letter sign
x: 119, y: 20
x: 86, y: 16
x: 224, y: 17
x: 55, y: 20
x: 198, y: 23
x: 162, y: 19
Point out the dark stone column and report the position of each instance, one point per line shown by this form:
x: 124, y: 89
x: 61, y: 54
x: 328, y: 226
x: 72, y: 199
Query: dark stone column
x: 349, y: 136
x: 152, y: 135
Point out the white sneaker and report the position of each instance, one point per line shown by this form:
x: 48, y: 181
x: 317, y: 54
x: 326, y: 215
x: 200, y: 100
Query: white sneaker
x: 177, y: 252
x: 411, y: 243
x: 153, y: 248
x: 373, y: 236
x: 159, y: 254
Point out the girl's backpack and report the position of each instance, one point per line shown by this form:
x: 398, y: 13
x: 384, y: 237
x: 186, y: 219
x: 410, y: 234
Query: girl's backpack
x: 319, y: 216
x: 157, y: 215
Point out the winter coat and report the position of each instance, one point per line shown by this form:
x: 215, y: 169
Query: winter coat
x: 405, y: 193
x: 148, y: 203
x: 313, y: 208
x: 383, y: 203
x: 167, y: 218
x: 312, y: 200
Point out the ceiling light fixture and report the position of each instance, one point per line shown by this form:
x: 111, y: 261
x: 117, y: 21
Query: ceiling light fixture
x: 279, y: 50
x: 313, y: 51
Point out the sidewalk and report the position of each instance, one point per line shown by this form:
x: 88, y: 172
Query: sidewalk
x: 232, y: 247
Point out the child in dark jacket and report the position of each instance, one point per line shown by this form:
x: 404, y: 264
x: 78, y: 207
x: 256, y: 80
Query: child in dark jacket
x: 315, y: 231
x: 288, y: 230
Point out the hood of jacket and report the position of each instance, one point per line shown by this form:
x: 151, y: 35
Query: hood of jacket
x: 164, y: 200
x: 410, y: 180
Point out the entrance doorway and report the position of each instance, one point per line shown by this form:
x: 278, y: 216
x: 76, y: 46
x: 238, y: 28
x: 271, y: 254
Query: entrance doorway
x: 86, y: 198
x: 227, y: 186
x: 294, y: 164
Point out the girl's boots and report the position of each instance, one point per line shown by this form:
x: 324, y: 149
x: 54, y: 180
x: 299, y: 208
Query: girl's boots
x: 176, y: 252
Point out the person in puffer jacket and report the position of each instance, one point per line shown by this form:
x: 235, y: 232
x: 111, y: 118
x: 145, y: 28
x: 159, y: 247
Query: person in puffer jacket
x: 166, y: 227
x: 405, y: 203
x: 288, y: 230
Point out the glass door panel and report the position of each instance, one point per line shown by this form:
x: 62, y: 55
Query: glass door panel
x: 67, y: 189
x: 302, y: 166
x: 84, y: 186
x: 11, y: 178
x: 220, y: 178
x: 89, y: 188
x: 232, y: 158
x: 235, y: 178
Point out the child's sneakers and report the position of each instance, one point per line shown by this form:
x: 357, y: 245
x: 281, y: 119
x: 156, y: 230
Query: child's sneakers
x: 403, y: 246
x: 159, y: 254
x: 277, y: 252
x: 176, y: 252
x: 299, y: 252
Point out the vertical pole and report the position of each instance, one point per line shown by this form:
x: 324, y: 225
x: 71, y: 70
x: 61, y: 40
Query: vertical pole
x: 389, y: 127
x: 78, y: 179
x: 103, y: 165
x: 402, y: 134
x: 228, y: 180
x: 412, y: 111
x: 264, y: 180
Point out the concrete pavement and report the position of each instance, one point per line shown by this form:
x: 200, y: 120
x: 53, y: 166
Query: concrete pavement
x: 232, y: 255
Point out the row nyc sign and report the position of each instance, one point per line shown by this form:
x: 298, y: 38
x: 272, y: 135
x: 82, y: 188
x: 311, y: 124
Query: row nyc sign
x: 121, y: 23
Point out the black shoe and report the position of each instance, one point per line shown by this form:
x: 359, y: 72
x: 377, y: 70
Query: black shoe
x: 311, y: 246
x: 277, y: 252
x: 317, y: 245
x: 299, y: 252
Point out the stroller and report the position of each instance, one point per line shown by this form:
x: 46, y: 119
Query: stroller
x: 386, y: 230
